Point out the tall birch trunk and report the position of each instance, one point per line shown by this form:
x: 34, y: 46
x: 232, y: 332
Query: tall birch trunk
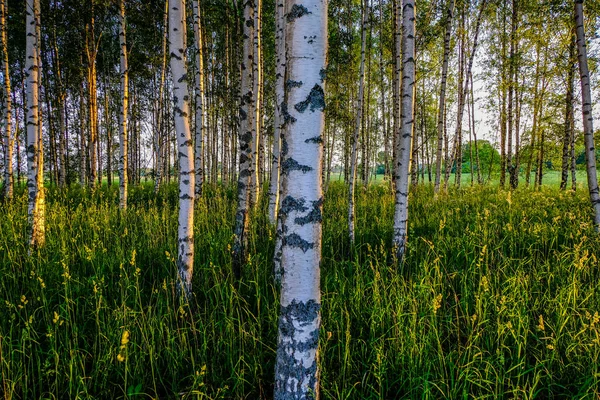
x: 442, y: 103
x: 257, y: 110
x: 279, y: 99
x: 34, y: 151
x: 245, y: 138
x: 588, y: 126
x: 357, y: 123
x: 9, y: 140
x: 199, y: 93
x: 124, y: 108
x: 296, y: 368
x: 566, y: 161
x: 407, y: 128
x: 162, y: 164
x: 185, y: 233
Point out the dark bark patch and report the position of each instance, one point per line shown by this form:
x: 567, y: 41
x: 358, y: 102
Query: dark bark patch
x: 291, y: 204
x: 316, y: 139
x: 292, y: 165
x: 294, y: 240
x: 293, y: 84
x: 315, y: 99
x: 297, y: 11
x: 287, y: 118
x: 314, y: 216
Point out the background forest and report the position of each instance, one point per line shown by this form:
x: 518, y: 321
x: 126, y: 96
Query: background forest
x: 495, y: 294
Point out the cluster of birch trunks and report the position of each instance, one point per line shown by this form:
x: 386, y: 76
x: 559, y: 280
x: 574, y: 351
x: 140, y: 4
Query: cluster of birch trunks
x: 295, y: 188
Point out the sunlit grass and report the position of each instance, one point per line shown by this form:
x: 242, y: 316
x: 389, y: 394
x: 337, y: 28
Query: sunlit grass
x: 499, y: 298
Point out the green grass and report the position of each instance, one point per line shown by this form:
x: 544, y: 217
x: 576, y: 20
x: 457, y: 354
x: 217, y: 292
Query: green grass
x: 499, y: 298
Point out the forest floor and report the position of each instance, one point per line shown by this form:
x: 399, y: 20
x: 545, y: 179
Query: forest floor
x: 499, y: 298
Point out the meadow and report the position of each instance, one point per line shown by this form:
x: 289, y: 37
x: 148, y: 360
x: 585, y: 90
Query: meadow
x: 499, y: 297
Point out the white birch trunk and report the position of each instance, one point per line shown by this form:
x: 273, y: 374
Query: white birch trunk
x: 357, y: 123
x: 9, y: 140
x: 588, y: 126
x: 296, y: 372
x: 257, y: 121
x: 406, y: 128
x: 245, y: 139
x: 279, y: 99
x: 124, y: 108
x: 199, y: 93
x: 34, y: 162
x: 442, y: 103
x: 185, y: 232
x: 161, y: 143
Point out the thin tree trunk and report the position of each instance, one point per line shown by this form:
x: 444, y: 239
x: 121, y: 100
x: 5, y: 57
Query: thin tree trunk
x: 123, y: 162
x: 199, y: 93
x: 185, y: 237
x: 442, y: 103
x: 357, y: 123
x: 160, y: 138
x: 34, y: 151
x: 296, y: 367
x: 279, y: 103
x: 9, y: 140
x: 568, y: 118
x: 407, y: 128
x: 588, y: 126
x: 247, y: 125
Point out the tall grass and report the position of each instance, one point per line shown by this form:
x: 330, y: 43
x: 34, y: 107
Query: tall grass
x: 498, y: 298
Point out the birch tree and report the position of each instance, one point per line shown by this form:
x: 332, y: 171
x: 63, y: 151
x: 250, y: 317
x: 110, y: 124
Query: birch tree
x: 123, y: 111
x: 199, y: 93
x: 35, y: 166
x: 185, y: 233
x: 296, y: 372
x: 442, y: 103
x: 407, y: 91
x: 357, y: 123
x: 245, y: 141
x: 588, y: 126
x: 9, y: 140
x: 279, y: 102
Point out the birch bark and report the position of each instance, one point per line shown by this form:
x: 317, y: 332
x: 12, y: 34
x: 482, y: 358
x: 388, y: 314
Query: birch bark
x: 34, y: 151
x: 442, y: 103
x: 185, y: 238
x: 123, y: 111
x: 357, y: 124
x: 588, y: 126
x: 199, y: 93
x: 9, y: 140
x: 407, y: 128
x: 296, y: 371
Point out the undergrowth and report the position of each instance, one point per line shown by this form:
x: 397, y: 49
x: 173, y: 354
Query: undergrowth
x: 498, y: 298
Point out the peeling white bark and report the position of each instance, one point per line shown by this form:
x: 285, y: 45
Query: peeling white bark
x: 296, y: 371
